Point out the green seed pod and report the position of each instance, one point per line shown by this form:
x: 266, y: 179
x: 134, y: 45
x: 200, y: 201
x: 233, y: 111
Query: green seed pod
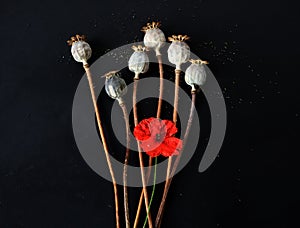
x: 139, y: 61
x: 195, y: 74
x: 179, y: 51
x: 115, y: 86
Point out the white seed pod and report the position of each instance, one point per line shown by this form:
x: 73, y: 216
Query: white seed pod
x: 115, y: 86
x: 138, y: 61
x: 154, y: 38
x: 195, y: 74
x: 81, y: 50
x: 178, y: 51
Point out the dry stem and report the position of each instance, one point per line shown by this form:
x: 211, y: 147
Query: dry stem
x: 89, y: 77
x: 125, y: 191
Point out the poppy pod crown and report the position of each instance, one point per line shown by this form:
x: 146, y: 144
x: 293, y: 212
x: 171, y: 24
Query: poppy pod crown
x: 152, y: 25
x: 111, y: 74
x: 76, y: 38
x: 198, y: 61
x: 139, y: 48
x: 179, y: 38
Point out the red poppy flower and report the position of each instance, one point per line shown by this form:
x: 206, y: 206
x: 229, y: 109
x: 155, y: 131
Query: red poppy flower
x: 156, y: 137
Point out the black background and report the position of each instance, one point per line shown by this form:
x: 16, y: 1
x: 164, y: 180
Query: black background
x: 253, y: 50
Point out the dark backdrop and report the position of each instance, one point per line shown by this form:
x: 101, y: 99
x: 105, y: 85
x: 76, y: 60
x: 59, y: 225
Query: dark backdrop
x: 253, y: 50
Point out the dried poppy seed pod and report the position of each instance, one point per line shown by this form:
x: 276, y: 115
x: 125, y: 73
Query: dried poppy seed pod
x: 81, y: 50
x: 195, y: 74
x: 179, y: 51
x: 154, y: 38
x: 138, y: 61
x: 115, y: 86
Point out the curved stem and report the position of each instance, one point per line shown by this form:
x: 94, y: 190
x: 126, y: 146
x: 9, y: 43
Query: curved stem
x: 89, y: 77
x: 142, y: 195
x: 125, y: 191
x: 144, y: 192
x: 153, y: 190
x: 144, y: 184
x: 169, y: 181
x: 135, y: 117
x: 161, y: 87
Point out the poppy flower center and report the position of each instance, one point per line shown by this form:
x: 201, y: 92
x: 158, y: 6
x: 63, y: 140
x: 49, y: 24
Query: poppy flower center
x: 158, y: 137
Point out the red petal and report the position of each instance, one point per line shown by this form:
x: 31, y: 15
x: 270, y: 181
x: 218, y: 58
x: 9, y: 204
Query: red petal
x: 153, y: 150
x: 171, y: 146
x: 142, y: 130
x: 171, y: 128
x: 157, y: 127
x: 154, y: 153
x: 149, y: 145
